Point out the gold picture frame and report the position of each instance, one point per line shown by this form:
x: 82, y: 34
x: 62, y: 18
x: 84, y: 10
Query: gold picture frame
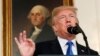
x: 7, y: 25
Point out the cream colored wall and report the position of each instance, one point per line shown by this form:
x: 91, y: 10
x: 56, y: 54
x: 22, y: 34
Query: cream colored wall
x: 88, y: 15
x: 98, y: 19
x: 1, y: 50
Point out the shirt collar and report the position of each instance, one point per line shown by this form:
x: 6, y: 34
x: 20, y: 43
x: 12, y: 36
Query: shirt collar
x: 63, y: 41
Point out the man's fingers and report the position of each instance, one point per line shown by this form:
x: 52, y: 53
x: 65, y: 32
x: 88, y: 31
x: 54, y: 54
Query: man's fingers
x: 16, y: 40
x: 21, y: 37
x: 24, y: 35
x: 32, y: 43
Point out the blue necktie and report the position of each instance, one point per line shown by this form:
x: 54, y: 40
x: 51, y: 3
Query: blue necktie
x: 69, y: 49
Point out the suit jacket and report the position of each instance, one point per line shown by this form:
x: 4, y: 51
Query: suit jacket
x: 53, y: 48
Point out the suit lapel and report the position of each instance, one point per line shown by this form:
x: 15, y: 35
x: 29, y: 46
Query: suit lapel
x: 56, y: 49
x: 81, y: 50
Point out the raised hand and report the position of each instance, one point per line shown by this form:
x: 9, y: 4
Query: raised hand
x: 26, y: 46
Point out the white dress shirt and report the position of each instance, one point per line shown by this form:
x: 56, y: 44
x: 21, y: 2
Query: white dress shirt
x: 64, y: 46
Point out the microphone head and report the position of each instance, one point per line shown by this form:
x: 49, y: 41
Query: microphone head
x: 74, y: 30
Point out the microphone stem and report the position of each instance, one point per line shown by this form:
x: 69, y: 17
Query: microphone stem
x: 85, y: 39
x: 86, y: 42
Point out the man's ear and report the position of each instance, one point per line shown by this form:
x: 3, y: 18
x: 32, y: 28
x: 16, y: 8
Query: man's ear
x: 54, y: 28
x: 77, y: 20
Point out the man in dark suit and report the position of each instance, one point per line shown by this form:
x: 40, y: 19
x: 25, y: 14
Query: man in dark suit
x: 53, y: 48
x: 65, y: 43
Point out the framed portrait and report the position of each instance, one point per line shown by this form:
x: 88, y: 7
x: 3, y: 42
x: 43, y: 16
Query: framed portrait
x: 15, y: 20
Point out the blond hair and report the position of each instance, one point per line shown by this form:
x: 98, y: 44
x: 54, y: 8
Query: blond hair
x: 60, y: 8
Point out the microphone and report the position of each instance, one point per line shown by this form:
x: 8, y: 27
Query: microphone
x: 74, y: 30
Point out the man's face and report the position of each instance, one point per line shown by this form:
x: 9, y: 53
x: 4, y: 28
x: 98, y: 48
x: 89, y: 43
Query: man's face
x: 63, y: 20
x: 37, y: 18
